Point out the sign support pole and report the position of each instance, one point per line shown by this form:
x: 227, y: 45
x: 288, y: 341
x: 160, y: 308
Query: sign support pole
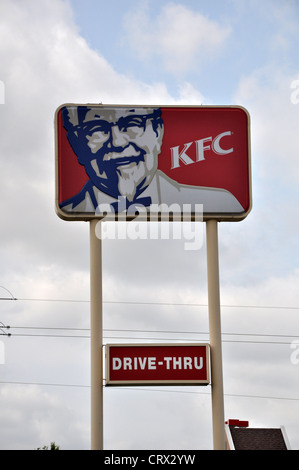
x: 96, y: 338
x: 215, y: 335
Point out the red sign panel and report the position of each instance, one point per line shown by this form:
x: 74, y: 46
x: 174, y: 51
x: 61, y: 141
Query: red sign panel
x: 128, y: 158
x: 157, y: 364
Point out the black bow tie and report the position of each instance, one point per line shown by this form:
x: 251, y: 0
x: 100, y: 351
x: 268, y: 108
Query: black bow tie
x: 123, y: 204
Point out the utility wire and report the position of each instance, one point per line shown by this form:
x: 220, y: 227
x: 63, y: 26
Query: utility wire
x: 171, y: 304
x: 2, y: 327
x: 244, y: 341
x: 133, y: 330
x: 12, y: 297
x: 150, y: 389
x: 122, y: 330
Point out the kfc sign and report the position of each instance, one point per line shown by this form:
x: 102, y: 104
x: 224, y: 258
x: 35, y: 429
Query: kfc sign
x: 142, y: 160
x: 157, y: 364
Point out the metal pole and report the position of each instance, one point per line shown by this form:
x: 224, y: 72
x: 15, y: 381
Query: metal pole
x: 96, y: 341
x: 215, y: 335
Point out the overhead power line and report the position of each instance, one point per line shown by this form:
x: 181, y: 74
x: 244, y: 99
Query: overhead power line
x: 170, y: 304
x: 107, y: 335
x: 133, y: 330
x: 151, y: 389
x: 259, y: 335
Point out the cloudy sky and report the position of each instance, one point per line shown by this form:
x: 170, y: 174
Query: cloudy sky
x: 191, y: 52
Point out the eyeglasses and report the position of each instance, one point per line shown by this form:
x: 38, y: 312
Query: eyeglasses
x: 135, y: 122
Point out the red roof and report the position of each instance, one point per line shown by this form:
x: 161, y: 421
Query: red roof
x: 240, y: 437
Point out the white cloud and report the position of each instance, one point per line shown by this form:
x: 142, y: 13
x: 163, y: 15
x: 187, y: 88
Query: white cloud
x: 267, y: 94
x: 35, y: 417
x: 45, y: 62
x: 180, y: 37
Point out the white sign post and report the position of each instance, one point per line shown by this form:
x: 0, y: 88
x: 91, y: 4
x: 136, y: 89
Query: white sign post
x: 215, y: 335
x: 96, y: 341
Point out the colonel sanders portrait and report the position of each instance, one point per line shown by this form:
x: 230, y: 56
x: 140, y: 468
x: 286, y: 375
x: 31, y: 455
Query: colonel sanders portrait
x: 119, y: 148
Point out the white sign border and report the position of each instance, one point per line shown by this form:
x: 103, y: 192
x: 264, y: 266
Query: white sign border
x: 118, y: 383
x: 206, y: 216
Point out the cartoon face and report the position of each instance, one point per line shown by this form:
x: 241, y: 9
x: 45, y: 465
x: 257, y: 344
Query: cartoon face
x: 119, y: 147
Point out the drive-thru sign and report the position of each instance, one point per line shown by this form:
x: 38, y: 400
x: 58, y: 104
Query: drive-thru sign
x: 157, y: 364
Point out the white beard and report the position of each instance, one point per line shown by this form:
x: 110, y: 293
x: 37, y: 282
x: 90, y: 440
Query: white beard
x: 130, y: 178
